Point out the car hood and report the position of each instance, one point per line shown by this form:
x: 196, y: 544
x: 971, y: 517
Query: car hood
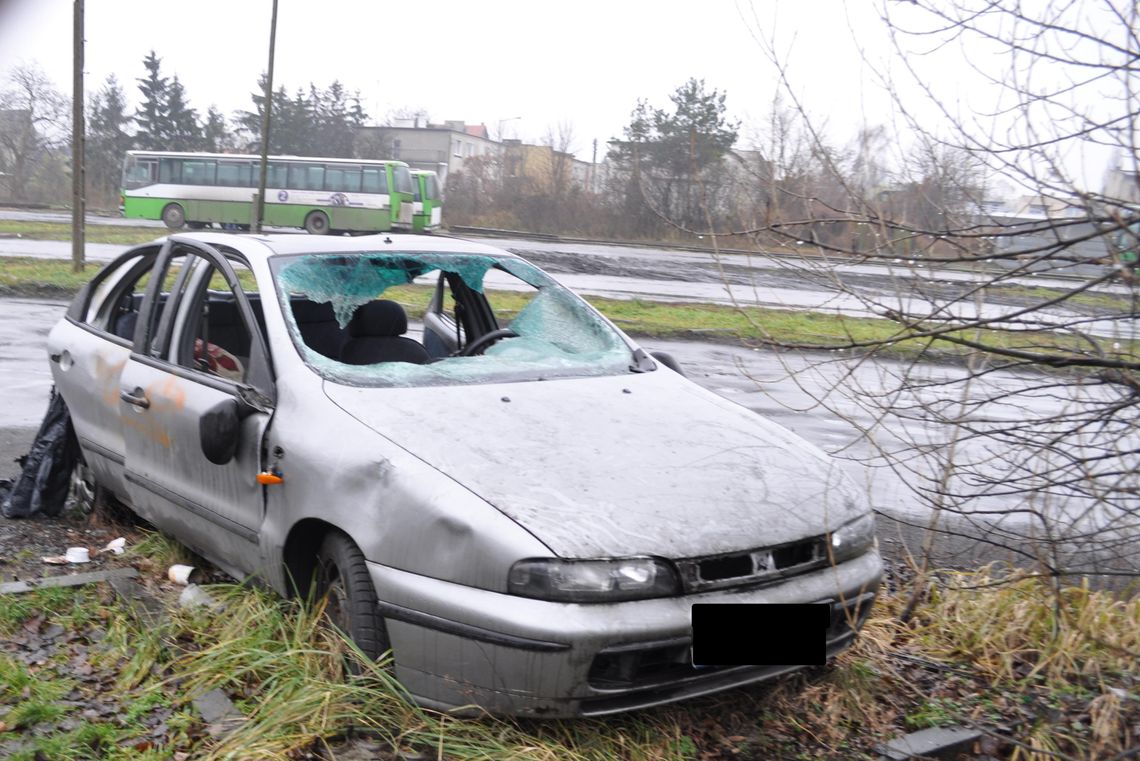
x: 647, y: 464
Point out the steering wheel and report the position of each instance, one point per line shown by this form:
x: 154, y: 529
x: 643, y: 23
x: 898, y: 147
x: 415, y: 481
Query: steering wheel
x: 480, y: 344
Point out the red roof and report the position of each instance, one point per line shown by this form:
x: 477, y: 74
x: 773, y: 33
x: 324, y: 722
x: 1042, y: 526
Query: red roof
x: 477, y: 130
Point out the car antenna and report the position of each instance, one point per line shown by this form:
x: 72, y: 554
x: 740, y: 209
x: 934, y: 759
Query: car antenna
x: 387, y: 239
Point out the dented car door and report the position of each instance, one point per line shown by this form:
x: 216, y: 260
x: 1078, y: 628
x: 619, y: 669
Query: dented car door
x: 203, y: 359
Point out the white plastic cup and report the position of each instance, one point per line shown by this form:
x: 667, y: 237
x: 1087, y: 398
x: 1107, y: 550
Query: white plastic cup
x: 180, y: 574
x: 77, y: 555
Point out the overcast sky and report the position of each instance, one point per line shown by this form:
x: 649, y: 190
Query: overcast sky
x: 584, y: 63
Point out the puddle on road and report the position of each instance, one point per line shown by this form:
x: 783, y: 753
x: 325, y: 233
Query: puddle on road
x: 25, y: 374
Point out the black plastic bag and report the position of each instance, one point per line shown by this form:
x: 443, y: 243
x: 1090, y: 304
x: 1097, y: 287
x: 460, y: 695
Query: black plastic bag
x: 43, y: 484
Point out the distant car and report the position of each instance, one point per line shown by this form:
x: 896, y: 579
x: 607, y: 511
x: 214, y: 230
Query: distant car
x: 516, y: 499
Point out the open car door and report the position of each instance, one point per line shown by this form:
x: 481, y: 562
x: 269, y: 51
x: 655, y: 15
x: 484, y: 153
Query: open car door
x: 195, y: 399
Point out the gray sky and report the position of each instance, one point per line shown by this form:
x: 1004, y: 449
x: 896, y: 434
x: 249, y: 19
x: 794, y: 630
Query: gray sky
x: 585, y: 63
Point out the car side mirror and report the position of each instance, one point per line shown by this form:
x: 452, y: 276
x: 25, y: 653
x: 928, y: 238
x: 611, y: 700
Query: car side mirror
x: 219, y: 429
x: 668, y: 360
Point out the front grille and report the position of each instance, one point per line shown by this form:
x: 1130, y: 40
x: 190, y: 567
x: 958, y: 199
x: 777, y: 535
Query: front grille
x: 754, y: 566
x: 642, y: 665
x: 667, y: 663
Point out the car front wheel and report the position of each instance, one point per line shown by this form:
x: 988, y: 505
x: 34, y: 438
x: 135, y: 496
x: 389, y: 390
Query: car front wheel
x: 350, y: 600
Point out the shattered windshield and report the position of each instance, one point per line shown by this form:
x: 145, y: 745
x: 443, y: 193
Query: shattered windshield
x: 411, y: 319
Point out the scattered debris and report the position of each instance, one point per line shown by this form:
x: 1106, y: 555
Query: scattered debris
x: 45, y: 477
x: 73, y: 555
x: 76, y: 579
x: 145, y: 606
x: 115, y: 546
x: 218, y: 711
x: 935, y: 743
x: 181, y: 574
x: 193, y: 596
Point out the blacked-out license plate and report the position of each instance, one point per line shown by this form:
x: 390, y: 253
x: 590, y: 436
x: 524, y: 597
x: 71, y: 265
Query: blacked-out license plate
x: 756, y: 634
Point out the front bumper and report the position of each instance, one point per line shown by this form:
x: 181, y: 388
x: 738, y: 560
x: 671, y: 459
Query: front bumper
x: 457, y: 646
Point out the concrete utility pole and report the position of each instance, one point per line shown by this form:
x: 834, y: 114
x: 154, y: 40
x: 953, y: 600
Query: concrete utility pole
x: 78, y: 130
x: 265, y: 124
x: 593, y: 168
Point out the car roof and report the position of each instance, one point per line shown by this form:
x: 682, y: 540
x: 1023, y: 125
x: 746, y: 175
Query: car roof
x: 265, y: 246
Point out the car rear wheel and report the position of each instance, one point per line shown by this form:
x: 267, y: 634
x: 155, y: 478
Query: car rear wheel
x: 173, y: 216
x: 350, y: 600
x: 317, y: 223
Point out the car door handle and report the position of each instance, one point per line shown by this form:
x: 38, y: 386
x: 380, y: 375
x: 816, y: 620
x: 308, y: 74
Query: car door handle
x: 136, y: 398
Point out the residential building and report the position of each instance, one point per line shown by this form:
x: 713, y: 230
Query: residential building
x: 443, y: 148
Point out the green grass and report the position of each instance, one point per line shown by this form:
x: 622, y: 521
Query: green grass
x: 66, y: 606
x: 94, y: 233
x: 1104, y: 302
x: 997, y: 654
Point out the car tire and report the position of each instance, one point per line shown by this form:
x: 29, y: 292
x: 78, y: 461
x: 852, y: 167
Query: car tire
x: 173, y: 216
x: 343, y: 583
x: 317, y: 223
x: 86, y: 496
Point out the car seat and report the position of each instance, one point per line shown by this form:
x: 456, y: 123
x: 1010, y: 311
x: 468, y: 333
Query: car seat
x: 376, y: 334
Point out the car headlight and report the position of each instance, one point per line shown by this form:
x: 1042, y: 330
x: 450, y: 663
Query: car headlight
x: 592, y: 580
x: 851, y: 539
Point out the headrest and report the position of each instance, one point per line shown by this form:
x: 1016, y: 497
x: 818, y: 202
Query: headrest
x: 305, y: 311
x: 378, y: 318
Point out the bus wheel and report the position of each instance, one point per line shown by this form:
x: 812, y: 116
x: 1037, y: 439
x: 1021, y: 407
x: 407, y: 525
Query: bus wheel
x: 173, y: 216
x: 317, y: 223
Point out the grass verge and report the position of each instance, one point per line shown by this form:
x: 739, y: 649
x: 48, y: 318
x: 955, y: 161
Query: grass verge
x: 1041, y: 672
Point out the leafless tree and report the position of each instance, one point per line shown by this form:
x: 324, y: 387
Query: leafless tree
x: 33, y: 132
x: 1030, y: 437
x: 560, y: 140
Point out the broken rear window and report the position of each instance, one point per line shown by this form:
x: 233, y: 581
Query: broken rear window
x: 410, y: 319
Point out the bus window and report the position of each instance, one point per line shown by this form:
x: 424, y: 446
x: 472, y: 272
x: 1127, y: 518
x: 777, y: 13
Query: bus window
x: 276, y: 175
x: 306, y: 176
x: 403, y: 179
x: 139, y: 172
x: 198, y: 172
x: 342, y: 179
x: 235, y: 174
x: 432, y: 192
x: 374, y: 181
x: 170, y: 171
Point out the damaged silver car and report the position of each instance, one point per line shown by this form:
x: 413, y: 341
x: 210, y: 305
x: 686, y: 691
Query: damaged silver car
x: 510, y: 494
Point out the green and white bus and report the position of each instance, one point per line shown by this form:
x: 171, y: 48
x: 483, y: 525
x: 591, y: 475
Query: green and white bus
x: 427, y: 210
x: 321, y: 195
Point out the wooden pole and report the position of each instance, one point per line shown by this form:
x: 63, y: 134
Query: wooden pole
x: 265, y: 124
x: 78, y: 130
